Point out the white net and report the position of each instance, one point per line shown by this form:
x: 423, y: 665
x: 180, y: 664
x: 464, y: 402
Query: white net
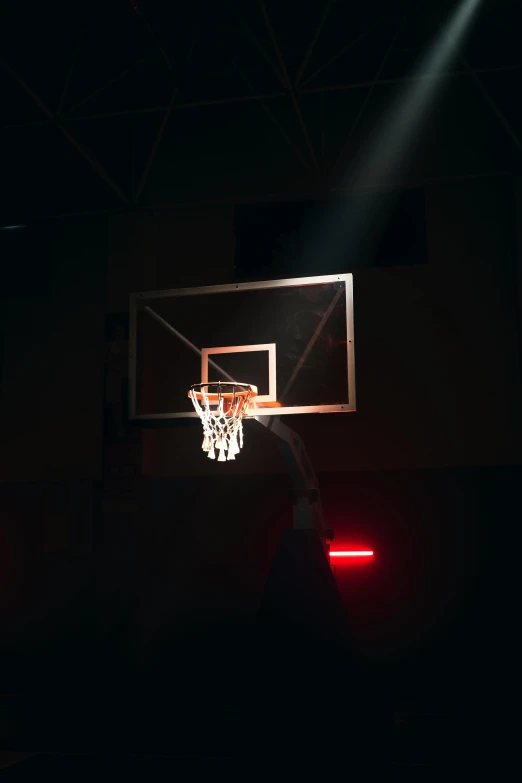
x: 222, y: 418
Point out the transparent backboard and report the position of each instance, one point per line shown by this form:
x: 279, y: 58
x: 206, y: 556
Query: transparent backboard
x: 293, y: 339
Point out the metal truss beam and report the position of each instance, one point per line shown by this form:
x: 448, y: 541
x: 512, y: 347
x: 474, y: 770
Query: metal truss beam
x: 84, y: 152
x: 289, y: 85
x: 270, y: 114
x: 163, y: 125
x: 268, y: 96
x: 261, y: 49
x: 70, y: 72
x: 268, y: 197
x: 408, y: 79
x: 161, y: 49
x: 345, y: 49
x: 109, y: 84
x: 313, y: 42
x: 488, y: 98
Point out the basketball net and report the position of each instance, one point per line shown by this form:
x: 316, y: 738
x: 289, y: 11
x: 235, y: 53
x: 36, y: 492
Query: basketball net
x: 222, y: 418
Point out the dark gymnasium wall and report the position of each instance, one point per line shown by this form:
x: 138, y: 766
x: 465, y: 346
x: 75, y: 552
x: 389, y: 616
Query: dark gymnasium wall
x: 426, y: 471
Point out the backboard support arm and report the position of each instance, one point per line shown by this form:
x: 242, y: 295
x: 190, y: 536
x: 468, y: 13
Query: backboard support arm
x: 305, y: 495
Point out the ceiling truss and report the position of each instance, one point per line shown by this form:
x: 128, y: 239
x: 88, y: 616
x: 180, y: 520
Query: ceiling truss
x: 292, y: 89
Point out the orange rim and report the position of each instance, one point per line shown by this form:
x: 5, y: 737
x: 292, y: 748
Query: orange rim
x: 224, y: 395
x: 248, y: 391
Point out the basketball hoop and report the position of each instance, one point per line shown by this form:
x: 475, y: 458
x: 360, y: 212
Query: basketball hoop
x: 222, y: 412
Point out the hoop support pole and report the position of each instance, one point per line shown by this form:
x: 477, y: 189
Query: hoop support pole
x: 305, y: 495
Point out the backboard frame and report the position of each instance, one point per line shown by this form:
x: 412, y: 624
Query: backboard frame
x: 136, y: 298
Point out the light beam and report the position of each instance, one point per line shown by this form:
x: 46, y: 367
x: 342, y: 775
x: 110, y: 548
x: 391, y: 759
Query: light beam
x: 350, y: 229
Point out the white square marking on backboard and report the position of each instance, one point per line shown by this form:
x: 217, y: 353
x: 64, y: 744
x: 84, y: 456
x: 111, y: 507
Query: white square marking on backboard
x: 271, y: 350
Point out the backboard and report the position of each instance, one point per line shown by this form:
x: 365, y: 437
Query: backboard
x: 293, y: 339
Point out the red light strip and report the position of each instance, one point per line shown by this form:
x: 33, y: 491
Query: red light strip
x: 353, y: 553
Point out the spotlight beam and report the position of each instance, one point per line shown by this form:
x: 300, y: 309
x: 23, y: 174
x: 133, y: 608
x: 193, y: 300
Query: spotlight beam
x: 387, y: 148
x: 386, y: 154
x: 372, y: 87
x: 422, y: 77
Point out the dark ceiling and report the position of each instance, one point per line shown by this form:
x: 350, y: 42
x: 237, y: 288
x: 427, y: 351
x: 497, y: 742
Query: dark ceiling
x: 120, y: 104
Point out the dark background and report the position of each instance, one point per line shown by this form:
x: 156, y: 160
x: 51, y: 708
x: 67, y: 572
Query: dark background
x: 124, y: 561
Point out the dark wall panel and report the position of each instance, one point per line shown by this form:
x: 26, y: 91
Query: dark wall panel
x: 169, y: 249
x: 53, y: 360
x: 286, y: 239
